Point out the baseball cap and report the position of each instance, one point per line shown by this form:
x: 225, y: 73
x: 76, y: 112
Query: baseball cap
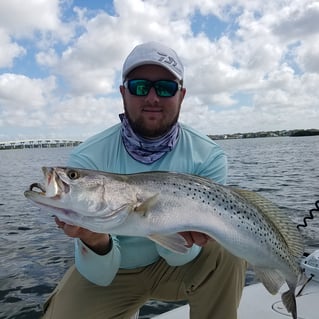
x: 153, y: 53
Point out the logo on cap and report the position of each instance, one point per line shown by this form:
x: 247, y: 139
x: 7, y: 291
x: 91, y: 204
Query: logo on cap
x: 167, y: 59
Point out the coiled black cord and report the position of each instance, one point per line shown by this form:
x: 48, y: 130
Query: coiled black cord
x: 304, y: 285
x: 310, y: 216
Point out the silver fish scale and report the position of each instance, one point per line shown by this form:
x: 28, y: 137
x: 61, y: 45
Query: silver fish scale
x: 222, y: 201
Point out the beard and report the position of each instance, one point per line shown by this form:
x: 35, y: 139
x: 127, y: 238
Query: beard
x: 140, y: 128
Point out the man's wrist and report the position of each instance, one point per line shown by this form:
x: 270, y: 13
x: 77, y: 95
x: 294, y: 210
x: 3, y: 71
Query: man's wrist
x: 101, y: 247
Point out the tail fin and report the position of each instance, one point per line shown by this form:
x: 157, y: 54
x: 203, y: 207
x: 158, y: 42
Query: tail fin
x: 289, y: 300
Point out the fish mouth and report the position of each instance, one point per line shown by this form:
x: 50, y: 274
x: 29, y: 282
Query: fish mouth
x: 68, y: 215
x: 37, y: 194
x: 52, y: 195
x: 54, y: 186
x: 39, y: 187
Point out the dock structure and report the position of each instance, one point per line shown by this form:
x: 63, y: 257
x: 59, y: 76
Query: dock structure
x: 39, y: 143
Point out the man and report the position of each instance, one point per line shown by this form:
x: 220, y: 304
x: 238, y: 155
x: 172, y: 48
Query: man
x: 115, y: 275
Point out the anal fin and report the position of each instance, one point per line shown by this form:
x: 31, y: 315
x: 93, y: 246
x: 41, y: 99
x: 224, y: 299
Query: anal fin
x: 272, y: 279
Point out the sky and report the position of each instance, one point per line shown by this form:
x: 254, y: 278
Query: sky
x: 250, y: 65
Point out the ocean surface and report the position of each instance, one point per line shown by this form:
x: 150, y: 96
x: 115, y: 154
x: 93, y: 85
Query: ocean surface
x: 34, y: 254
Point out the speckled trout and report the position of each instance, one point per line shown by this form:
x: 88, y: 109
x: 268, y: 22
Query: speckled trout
x: 159, y: 205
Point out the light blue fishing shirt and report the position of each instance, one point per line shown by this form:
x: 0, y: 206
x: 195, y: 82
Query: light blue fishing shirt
x: 194, y: 153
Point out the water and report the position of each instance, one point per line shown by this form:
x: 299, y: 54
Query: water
x: 284, y: 170
x: 34, y: 254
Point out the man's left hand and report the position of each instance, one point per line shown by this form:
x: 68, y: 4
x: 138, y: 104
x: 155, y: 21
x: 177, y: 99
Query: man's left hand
x: 194, y: 237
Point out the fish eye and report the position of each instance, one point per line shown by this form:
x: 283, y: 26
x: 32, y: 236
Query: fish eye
x: 72, y: 174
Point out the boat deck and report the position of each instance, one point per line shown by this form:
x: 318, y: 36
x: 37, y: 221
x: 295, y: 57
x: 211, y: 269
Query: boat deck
x: 256, y: 302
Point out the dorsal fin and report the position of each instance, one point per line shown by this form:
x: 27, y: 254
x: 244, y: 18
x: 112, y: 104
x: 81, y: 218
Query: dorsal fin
x: 278, y: 218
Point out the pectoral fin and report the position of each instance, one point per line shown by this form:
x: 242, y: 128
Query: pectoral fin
x: 146, y: 205
x: 173, y: 242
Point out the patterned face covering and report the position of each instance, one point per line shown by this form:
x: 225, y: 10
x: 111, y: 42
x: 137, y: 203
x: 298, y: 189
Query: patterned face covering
x: 147, y: 151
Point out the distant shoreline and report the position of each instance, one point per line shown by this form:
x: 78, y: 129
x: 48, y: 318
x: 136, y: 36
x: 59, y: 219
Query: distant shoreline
x: 294, y: 133
x: 63, y: 143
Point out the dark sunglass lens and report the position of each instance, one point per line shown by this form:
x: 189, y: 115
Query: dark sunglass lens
x: 166, y: 88
x: 139, y: 87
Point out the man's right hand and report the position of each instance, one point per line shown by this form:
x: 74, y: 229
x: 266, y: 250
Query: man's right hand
x: 99, y: 243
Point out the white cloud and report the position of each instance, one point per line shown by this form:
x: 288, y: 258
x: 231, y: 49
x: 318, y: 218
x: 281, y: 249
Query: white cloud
x: 98, y: 54
x: 47, y: 58
x: 268, y: 52
x: 85, y: 110
x: 19, y: 91
x: 298, y: 20
x: 24, y: 101
x: 308, y: 56
x: 9, y: 50
x: 22, y: 18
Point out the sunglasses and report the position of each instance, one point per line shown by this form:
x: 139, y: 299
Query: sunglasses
x: 163, y: 88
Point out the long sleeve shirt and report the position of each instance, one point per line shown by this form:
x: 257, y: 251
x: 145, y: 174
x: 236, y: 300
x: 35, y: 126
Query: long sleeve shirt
x: 194, y: 153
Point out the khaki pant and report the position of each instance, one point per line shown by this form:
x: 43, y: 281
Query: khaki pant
x: 212, y: 284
